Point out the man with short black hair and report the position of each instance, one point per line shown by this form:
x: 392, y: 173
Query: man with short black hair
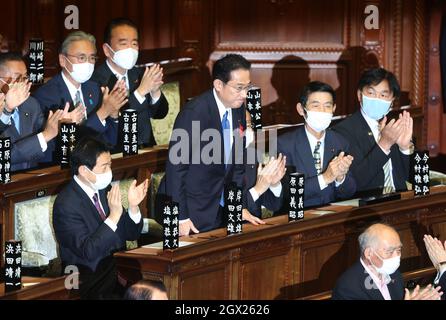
x: 381, y: 148
x: 146, y: 290
x: 89, y: 221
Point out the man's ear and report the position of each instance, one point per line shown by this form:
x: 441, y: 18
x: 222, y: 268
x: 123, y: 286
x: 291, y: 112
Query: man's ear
x: 300, y: 109
x: 108, y: 53
x: 359, y: 95
x: 62, y: 61
x: 218, y: 85
x: 334, y: 108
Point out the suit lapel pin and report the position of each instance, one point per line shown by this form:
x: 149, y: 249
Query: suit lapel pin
x: 370, y: 133
x: 26, y: 114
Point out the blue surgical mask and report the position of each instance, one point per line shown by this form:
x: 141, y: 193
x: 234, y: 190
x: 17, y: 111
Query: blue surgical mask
x: 375, y: 108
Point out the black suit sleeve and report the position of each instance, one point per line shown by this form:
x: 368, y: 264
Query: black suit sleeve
x: 128, y: 229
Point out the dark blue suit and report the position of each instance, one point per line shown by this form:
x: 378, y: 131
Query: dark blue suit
x: 85, y: 240
x: 197, y: 187
x: 55, y: 94
x: 295, y: 146
x: 352, y: 285
x: 25, y: 147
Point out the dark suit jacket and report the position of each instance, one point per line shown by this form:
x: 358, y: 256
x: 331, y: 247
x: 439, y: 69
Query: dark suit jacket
x: 267, y: 199
x: 352, y: 285
x: 295, y: 146
x: 25, y: 147
x: 146, y: 110
x: 367, y: 168
x: 84, y: 239
x: 198, y: 187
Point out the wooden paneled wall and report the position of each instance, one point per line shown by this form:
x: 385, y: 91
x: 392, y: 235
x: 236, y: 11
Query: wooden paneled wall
x: 289, y: 42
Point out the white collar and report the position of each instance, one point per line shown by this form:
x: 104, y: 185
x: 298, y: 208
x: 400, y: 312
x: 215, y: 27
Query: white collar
x: 221, y: 108
x: 313, y: 140
x: 373, y: 124
x: 116, y: 73
x: 71, y: 88
x: 87, y: 189
x: 386, y: 279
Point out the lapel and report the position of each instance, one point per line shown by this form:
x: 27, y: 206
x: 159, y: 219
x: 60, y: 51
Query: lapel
x: 26, y: 125
x: 133, y: 79
x: 329, y: 150
x: 373, y: 293
x: 304, y: 152
x: 394, y: 288
x: 215, y: 122
x: 364, y: 128
x: 64, y: 93
x: 88, y: 96
x: 90, y: 211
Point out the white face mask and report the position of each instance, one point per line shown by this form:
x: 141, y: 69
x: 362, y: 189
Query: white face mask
x: 102, y: 180
x: 82, y: 72
x: 318, y: 121
x: 125, y: 58
x: 249, y: 135
x: 389, y: 265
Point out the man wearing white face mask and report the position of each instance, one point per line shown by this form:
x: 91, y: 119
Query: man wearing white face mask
x: 88, y: 106
x: 121, y: 47
x: 375, y: 276
x: 320, y: 154
x: 381, y: 148
x: 89, y: 221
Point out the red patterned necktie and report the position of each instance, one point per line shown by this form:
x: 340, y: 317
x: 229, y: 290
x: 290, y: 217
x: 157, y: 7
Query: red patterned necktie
x: 98, y: 207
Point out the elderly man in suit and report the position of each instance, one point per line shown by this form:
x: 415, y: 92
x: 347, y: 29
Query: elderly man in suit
x: 121, y: 45
x: 21, y: 118
x: 92, y: 109
x: 89, y: 221
x: 320, y: 154
x: 381, y: 148
x: 375, y: 276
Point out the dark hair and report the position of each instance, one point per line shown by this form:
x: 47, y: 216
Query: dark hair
x: 315, y: 86
x: 117, y: 22
x: 374, y: 76
x: 143, y: 290
x: 224, y: 66
x: 10, y: 56
x: 86, y: 153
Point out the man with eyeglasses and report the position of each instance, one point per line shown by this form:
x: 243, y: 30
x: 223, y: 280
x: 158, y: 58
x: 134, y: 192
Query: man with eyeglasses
x: 21, y: 118
x: 195, y: 175
x: 121, y: 47
x: 381, y: 147
x: 320, y: 154
x: 89, y: 107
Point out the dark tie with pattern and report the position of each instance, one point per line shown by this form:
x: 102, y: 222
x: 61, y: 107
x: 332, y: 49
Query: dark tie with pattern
x: 98, y: 207
x: 317, y: 158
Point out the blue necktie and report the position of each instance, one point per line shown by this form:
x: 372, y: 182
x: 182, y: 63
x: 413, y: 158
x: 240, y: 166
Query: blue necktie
x: 16, y: 120
x: 227, y: 144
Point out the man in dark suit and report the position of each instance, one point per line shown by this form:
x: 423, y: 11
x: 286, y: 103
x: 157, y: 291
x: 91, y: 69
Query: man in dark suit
x: 381, y: 149
x: 98, y: 111
x: 375, y: 276
x: 437, y: 253
x: 143, y: 85
x: 320, y: 154
x: 21, y: 118
x: 197, y: 170
x: 90, y: 223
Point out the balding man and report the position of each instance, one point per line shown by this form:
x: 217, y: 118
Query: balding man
x: 146, y: 290
x: 375, y: 276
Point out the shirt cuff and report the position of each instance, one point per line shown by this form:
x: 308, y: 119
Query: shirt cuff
x: 138, y: 97
x: 407, y: 152
x: 386, y: 152
x: 439, y: 275
x: 337, y: 184
x: 155, y: 100
x: 136, y: 217
x: 322, y: 183
x: 5, y: 119
x: 277, y: 190
x: 42, y: 142
x: 185, y: 220
x: 254, y: 194
x: 104, y: 122
x: 111, y: 224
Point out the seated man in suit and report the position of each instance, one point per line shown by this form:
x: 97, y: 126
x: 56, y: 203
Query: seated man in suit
x: 146, y: 290
x: 97, y: 111
x: 89, y: 221
x: 202, y: 151
x: 320, y: 154
x: 381, y: 148
x: 375, y: 276
x: 437, y: 254
x: 263, y: 187
x: 21, y: 118
x: 143, y: 85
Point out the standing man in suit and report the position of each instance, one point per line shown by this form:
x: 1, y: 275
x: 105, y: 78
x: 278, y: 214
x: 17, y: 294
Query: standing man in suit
x: 321, y: 154
x: 89, y: 221
x: 376, y: 276
x: 143, y: 85
x: 195, y: 173
x: 89, y: 107
x: 21, y: 118
x: 381, y: 148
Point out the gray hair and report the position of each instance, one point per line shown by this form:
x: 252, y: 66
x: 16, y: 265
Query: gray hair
x: 76, y: 36
x: 370, y: 237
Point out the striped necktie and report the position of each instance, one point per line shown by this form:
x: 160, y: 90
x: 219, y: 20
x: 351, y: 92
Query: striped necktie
x: 387, y: 168
x: 317, y: 158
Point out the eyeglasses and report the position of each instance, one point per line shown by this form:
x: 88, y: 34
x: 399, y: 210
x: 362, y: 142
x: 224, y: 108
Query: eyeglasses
x: 21, y: 78
x: 370, y: 92
x: 82, y: 58
x: 239, y: 89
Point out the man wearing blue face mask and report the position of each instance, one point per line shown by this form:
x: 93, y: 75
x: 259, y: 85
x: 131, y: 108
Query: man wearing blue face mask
x: 121, y: 45
x: 89, y: 221
x: 321, y: 154
x: 89, y: 107
x: 381, y: 148
x: 375, y: 276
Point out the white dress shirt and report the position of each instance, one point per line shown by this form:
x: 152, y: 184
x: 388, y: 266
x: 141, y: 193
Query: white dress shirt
x: 381, y: 284
x: 136, y: 217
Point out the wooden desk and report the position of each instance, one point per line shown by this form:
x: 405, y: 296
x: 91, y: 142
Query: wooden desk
x: 287, y: 260
x: 39, y: 289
